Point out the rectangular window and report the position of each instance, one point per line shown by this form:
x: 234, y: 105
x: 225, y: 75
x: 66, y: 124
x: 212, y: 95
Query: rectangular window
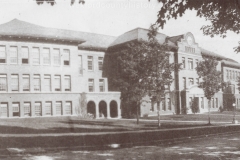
x: 26, y: 83
x: 58, y: 108
x: 216, y: 102
x: 183, y: 62
x: 236, y: 75
x: 15, y: 109
x: 57, y: 83
x: 2, y: 54
x: 196, y: 62
x: 90, y: 63
x: 27, y: 109
x: 38, y: 108
x: 47, y: 83
x: 191, y: 82
x: 66, y: 57
x: 14, y: 83
x: 68, y: 108
x: 212, y: 103
x: 25, y: 55
x: 4, y: 109
x: 233, y: 75
x: 67, y: 83
x: 227, y: 74
x: 230, y: 74
x: 80, y: 64
x: 36, y: 55
x: 3, y: 82
x: 56, y: 57
x: 48, y: 108
x: 197, y: 81
x: 169, y: 104
x: 101, y: 85
x: 100, y: 63
x: 190, y: 63
x: 190, y: 102
x: 13, y: 55
x: 46, y: 56
x: 91, y: 85
x: 37, y: 82
x: 184, y: 83
x: 202, y: 103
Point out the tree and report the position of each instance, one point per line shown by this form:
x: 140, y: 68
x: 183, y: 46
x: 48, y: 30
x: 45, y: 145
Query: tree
x: 211, y: 79
x: 194, y: 105
x: 138, y: 67
x: 81, y: 109
x: 223, y: 15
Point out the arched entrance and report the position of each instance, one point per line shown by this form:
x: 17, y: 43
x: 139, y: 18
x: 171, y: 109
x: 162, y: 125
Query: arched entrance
x: 91, y: 108
x: 113, y: 109
x: 102, y: 109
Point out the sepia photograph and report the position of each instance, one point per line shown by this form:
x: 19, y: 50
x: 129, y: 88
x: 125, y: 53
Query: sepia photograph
x: 119, y: 79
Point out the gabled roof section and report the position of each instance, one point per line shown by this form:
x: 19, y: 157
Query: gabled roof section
x: 137, y: 34
x: 24, y: 29
x: 176, y: 39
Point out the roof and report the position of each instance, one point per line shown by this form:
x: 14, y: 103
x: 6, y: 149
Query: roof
x: 24, y: 29
x: 231, y: 64
x: 175, y: 39
x: 138, y: 34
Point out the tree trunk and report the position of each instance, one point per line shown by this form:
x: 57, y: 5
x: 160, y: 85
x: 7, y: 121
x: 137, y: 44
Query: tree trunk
x: 137, y: 114
x: 158, y: 106
x: 209, y: 104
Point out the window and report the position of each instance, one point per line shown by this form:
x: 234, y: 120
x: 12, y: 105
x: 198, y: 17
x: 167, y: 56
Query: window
x: 57, y: 83
x: 101, y: 85
x: 80, y: 64
x: 36, y: 55
x: 227, y: 74
x: 58, y: 108
x: 48, y: 108
x: 47, y: 83
x: 190, y: 102
x: 26, y: 83
x: 27, y: 109
x: 197, y: 81
x: 100, y: 63
x: 37, y: 82
x: 236, y: 75
x: 2, y: 54
x: 183, y: 62
x: 91, y: 85
x: 184, y: 82
x: 90, y: 63
x: 25, y: 55
x: 191, y: 81
x: 15, y: 109
x: 67, y: 83
x: 232, y: 89
x: 190, y: 63
x: 13, y: 55
x: 3, y: 82
x: 233, y: 75
x: 68, y: 108
x: 189, y: 49
x: 216, y: 102
x: 66, y: 57
x: 14, y: 83
x: 202, y: 103
x: 196, y: 62
x: 169, y: 104
x: 56, y: 57
x: 38, y: 108
x: 212, y: 103
x: 46, y: 56
x: 230, y: 74
x: 4, y: 109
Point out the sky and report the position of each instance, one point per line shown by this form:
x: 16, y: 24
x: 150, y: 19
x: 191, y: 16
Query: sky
x: 114, y: 17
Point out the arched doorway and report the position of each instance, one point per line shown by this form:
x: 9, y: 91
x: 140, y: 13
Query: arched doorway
x: 113, y: 109
x: 91, y: 108
x: 102, y: 109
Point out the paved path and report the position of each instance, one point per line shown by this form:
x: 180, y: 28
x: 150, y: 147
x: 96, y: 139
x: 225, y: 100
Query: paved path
x: 218, y: 147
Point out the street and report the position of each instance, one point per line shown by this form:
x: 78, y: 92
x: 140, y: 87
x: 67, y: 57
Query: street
x: 219, y: 147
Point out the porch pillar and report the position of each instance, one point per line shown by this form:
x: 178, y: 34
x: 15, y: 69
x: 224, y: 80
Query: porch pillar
x: 97, y: 109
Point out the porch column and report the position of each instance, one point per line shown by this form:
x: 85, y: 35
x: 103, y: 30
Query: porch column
x: 108, y: 110
x: 96, y: 109
x: 119, y: 109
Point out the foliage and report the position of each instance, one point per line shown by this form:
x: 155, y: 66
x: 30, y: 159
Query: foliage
x: 223, y: 15
x: 194, y: 105
x: 139, y: 68
x: 53, y: 2
x: 81, y: 110
x: 211, y: 77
